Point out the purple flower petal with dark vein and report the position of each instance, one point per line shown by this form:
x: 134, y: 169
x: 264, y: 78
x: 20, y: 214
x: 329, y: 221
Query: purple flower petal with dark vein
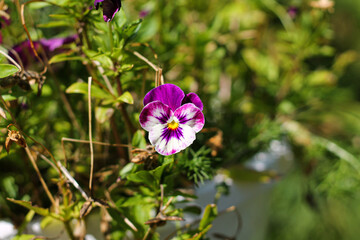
x: 190, y: 115
x: 193, y: 98
x: 168, y: 94
x: 153, y: 114
x: 171, y: 132
x: 110, y: 8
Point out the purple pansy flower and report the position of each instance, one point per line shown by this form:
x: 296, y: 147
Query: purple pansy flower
x: 171, y: 118
x: 110, y: 8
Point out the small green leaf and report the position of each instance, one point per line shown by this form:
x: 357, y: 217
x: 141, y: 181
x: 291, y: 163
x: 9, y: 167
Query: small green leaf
x: 96, y: 92
x: 29, y: 216
x: 102, y: 114
x: 127, y: 169
x: 55, y: 24
x: 62, y: 57
x: 28, y: 205
x: 126, y: 98
x: 210, y: 214
x: 157, y: 172
x: 7, y: 70
x: 141, y: 177
x: 25, y: 237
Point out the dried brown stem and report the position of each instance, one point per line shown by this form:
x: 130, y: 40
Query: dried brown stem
x: 90, y: 138
x: 32, y: 160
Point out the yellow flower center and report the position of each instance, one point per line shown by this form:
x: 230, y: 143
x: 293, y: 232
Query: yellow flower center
x: 173, y: 125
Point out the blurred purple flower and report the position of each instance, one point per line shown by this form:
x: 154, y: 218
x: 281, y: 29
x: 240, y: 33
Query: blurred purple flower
x: 171, y: 118
x: 293, y: 11
x: 110, y: 8
x: 42, y: 46
x: 143, y: 13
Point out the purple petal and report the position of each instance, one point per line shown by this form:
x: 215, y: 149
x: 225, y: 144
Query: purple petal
x: 55, y: 43
x: 168, y: 94
x: 190, y: 115
x: 168, y: 142
x: 110, y: 8
x: 25, y: 53
x: 154, y: 113
x: 193, y: 98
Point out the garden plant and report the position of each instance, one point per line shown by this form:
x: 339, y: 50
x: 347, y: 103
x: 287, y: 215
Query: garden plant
x: 120, y: 109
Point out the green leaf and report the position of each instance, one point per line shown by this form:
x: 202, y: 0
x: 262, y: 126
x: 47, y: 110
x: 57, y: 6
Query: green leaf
x: 104, y: 60
x: 210, y: 214
x: 157, y: 172
x: 55, y: 24
x: 96, y: 92
x: 62, y: 57
x: 102, y: 114
x: 142, y: 177
x: 127, y: 169
x: 126, y: 97
x: 25, y: 237
x: 10, y: 186
x: 139, y: 140
x: 29, y: 216
x: 28, y: 205
x: 7, y: 70
x: 199, y: 235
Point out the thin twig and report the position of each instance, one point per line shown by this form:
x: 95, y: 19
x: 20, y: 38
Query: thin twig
x: 159, y: 78
x: 90, y: 138
x: 68, y: 176
x: 32, y: 160
x: 106, y: 79
x: 113, y: 205
x: 94, y: 142
x: 86, y: 141
x: 22, y: 9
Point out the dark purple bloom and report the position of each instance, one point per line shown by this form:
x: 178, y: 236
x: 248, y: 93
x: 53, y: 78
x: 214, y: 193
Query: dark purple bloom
x: 48, y: 46
x: 171, y: 118
x: 110, y: 8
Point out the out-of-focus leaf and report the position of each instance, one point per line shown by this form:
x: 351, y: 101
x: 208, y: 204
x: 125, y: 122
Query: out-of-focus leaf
x: 209, y: 215
x: 28, y: 205
x: 102, y: 114
x: 321, y: 78
x: 141, y: 177
x: 126, y: 97
x: 26, y: 237
x: 29, y: 216
x: 10, y: 186
x: 7, y: 70
x: 126, y: 170
x: 55, y: 24
x: 96, y: 92
x: 62, y: 57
